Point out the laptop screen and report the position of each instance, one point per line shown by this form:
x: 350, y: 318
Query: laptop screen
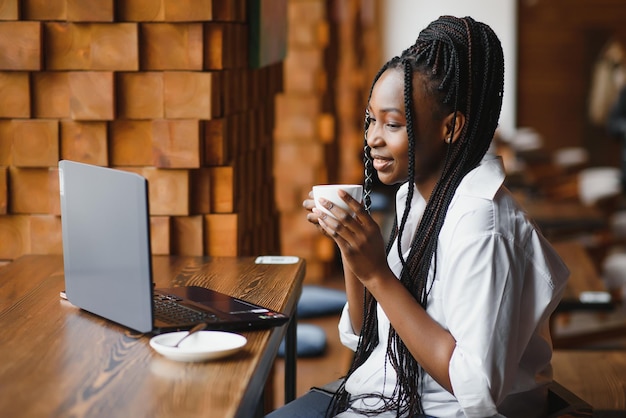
x: 106, y: 243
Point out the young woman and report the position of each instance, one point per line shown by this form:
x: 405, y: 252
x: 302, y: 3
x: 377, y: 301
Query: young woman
x: 450, y: 319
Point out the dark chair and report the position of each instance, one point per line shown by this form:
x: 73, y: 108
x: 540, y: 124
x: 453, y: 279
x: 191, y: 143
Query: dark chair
x: 562, y: 403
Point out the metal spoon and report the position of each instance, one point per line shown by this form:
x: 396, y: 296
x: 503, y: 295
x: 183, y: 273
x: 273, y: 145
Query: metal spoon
x: 193, y: 330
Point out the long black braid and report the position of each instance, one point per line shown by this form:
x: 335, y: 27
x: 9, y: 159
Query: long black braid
x: 463, y: 65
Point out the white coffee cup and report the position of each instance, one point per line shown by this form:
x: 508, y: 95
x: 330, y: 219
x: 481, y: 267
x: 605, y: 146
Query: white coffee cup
x: 329, y: 192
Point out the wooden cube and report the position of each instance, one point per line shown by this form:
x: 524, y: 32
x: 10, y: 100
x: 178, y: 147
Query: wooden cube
x: 44, y: 9
x: 9, y: 10
x: 218, y: 52
x: 168, y: 191
x: 6, y: 142
x: 14, y: 236
x: 139, y: 95
x: 91, y: 95
x: 54, y: 197
x: 131, y: 143
x: 91, y: 46
x: 167, y: 10
x: 114, y: 47
x: 29, y: 190
x: 20, y: 43
x: 45, y: 234
x: 216, y: 142
x: 221, y: 233
x: 200, y: 191
x: 90, y: 11
x: 51, y: 94
x: 191, y: 95
x: 160, y: 231
x: 171, y: 46
x: 14, y: 95
x: 296, y: 120
x: 4, y: 189
x: 230, y: 11
x: 189, y: 10
x: 85, y: 142
x: 35, y: 142
x: 222, y: 189
x: 67, y: 46
x: 176, y: 143
x: 141, y: 10
x: 187, y: 235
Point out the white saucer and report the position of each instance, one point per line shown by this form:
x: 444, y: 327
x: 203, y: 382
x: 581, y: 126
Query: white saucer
x: 201, y: 346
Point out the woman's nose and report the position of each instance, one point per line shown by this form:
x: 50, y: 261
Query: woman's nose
x: 373, y: 137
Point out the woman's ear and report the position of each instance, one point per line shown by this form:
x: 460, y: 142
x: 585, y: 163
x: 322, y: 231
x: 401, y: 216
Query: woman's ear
x: 456, y: 119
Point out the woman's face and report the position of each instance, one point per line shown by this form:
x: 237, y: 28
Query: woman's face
x: 387, y: 133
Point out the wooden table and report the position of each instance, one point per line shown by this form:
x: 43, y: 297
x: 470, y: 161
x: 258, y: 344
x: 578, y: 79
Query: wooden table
x: 583, y: 278
x: 59, y: 361
x: 562, y: 218
x: 596, y: 376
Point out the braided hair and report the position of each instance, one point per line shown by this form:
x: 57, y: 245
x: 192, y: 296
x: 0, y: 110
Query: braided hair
x: 463, y: 65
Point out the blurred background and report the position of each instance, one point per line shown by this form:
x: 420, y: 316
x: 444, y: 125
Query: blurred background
x: 234, y: 109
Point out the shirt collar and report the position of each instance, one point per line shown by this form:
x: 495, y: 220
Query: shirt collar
x: 484, y: 180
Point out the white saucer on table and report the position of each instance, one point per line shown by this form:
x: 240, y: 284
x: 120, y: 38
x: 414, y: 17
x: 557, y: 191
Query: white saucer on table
x: 201, y: 346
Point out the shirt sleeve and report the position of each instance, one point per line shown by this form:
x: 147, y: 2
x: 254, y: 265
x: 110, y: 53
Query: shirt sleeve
x: 346, y: 333
x: 495, y: 296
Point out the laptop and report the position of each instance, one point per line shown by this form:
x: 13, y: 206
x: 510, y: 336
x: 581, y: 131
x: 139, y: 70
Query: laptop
x: 107, y: 260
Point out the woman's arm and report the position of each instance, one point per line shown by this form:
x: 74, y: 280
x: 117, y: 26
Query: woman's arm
x: 355, y: 293
x: 354, y: 288
x: 363, y: 253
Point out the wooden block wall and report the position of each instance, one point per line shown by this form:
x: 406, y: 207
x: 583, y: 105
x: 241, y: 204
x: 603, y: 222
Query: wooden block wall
x: 333, y: 47
x: 158, y: 87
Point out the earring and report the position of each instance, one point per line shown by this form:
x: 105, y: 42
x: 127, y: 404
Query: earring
x: 449, y: 140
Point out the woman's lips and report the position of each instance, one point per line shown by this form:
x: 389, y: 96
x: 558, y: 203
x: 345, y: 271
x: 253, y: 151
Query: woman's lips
x: 381, y: 164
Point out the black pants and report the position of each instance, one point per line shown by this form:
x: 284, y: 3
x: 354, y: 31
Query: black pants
x: 313, y: 404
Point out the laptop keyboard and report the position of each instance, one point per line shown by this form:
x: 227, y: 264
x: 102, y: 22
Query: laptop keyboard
x: 168, y: 309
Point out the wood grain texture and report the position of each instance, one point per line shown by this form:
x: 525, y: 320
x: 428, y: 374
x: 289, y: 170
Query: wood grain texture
x: 30, y: 190
x: 221, y: 234
x: 98, y: 367
x: 45, y: 234
x: 168, y: 191
x: 9, y: 10
x: 191, y: 95
x: 44, y: 9
x: 4, y: 190
x: 91, y: 95
x: 176, y: 143
x: 131, y: 143
x: 14, y: 95
x: 85, y: 142
x: 90, y: 11
x: 91, y: 46
x: 216, y: 142
x: 51, y: 94
x: 597, y: 376
x: 160, y: 233
x: 14, y: 238
x: 222, y: 189
x: 139, y: 95
x: 20, y: 43
x: 35, y: 142
x: 187, y: 235
x: 171, y: 46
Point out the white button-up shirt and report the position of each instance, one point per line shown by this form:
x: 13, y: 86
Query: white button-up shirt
x: 498, y: 280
